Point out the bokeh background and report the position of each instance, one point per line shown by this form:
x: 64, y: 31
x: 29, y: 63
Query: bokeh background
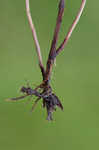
x: 75, y: 78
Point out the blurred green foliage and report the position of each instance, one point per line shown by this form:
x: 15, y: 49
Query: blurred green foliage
x: 75, y: 78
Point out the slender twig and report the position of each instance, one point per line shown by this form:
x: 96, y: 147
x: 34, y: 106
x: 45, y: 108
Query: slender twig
x: 57, y: 28
x: 35, y: 103
x: 16, y: 98
x: 34, y: 36
x: 72, y: 27
x: 52, y: 53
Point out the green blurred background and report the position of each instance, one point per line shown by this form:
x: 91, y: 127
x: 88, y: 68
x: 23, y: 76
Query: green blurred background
x: 75, y: 79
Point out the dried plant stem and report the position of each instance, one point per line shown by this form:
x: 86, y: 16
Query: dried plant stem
x: 57, y: 28
x: 72, y: 27
x: 34, y: 34
x: 44, y: 91
x: 52, y: 53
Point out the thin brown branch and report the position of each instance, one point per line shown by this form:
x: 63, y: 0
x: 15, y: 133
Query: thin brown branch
x: 16, y: 98
x: 35, y: 103
x: 61, y: 47
x: 57, y: 28
x: 34, y: 36
x: 52, y: 53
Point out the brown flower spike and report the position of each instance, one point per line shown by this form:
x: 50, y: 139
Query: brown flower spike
x: 44, y: 90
